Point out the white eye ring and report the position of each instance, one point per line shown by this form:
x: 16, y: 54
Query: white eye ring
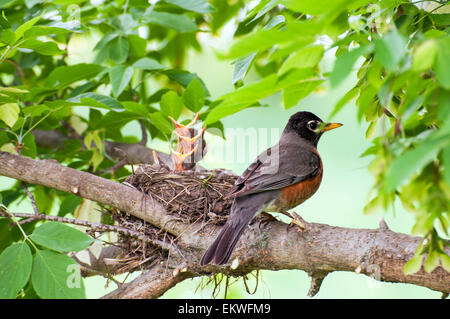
x: 313, y: 125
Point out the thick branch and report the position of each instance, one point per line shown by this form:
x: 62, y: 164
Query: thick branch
x: 51, y: 174
x: 379, y: 253
x: 153, y: 283
x: 133, y: 153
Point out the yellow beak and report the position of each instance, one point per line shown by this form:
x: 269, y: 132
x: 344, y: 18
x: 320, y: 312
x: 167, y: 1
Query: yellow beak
x: 331, y: 126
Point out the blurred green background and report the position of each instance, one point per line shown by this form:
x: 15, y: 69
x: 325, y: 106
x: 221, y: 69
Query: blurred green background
x: 339, y: 201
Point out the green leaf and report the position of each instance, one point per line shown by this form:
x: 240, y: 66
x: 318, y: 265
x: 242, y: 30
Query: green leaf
x: 442, y: 65
x: 7, y: 36
x: 3, y: 21
x: 411, y: 161
x: 96, y: 100
x: 194, y: 96
x: 179, y: 22
x: 344, y: 100
x: 148, y: 64
x: 241, y: 67
x: 35, y: 110
x: 120, y: 76
x: 261, y: 9
x: 266, y: 38
x: 161, y: 123
x: 294, y: 93
x: 69, y: 204
x: 345, y: 62
x: 138, y: 45
x: 185, y: 78
x: 56, y: 276
x: 29, y: 146
x: 275, y: 21
x: 136, y: 108
x: 442, y: 19
x: 9, y: 113
x: 38, y: 31
x: 63, y: 76
x: 13, y: 90
x: 446, y: 160
x: 26, y: 26
x: 15, y: 269
x: 371, y: 130
x: 107, y: 38
x: 373, y: 205
x: 44, y: 198
x: 432, y: 261
x: 171, y: 104
x: 312, y: 7
x: 413, y: 265
x: 242, y: 98
x: 292, y: 77
x: 391, y: 49
x: 424, y: 56
x: 60, y: 237
x: 117, y: 119
x: 118, y: 50
x: 200, y: 6
x: 445, y: 260
x: 305, y: 58
x: 44, y: 48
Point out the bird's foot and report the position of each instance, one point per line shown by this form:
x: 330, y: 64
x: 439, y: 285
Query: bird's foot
x: 296, y: 219
x: 266, y: 218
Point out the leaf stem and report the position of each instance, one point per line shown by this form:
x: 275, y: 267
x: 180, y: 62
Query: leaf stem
x: 3, y: 209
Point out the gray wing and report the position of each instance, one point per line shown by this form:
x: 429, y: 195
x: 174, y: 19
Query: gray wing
x: 278, y: 167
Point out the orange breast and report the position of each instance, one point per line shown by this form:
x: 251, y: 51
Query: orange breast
x: 296, y: 194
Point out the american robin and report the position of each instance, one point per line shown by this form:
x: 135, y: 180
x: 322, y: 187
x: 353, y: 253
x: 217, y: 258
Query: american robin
x: 280, y: 178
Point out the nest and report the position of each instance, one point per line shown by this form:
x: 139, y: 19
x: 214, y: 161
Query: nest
x: 190, y: 196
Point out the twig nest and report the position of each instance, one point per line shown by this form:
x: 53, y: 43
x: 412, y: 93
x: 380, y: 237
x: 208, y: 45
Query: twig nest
x: 189, y: 195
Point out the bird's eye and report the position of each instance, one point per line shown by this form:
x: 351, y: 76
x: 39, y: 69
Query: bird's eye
x: 313, y: 125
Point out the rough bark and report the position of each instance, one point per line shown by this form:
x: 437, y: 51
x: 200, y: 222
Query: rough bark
x: 318, y: 250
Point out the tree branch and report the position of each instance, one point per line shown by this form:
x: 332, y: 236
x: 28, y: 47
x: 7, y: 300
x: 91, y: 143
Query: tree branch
x: 153, y: 283
x: 133, y: 153
x: 93, y: 226
x: 320, y: 249
x: 51, y: 174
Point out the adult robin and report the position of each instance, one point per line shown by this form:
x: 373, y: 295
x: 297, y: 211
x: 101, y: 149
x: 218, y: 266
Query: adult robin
x: 280, y: 178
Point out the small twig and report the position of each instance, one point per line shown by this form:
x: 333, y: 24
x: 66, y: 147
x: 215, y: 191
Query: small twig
x: 383, y: 225
x: 256, y: 284
x: 19, y: 70
x: 227, y: 280
x: 114, y: 168
x: 176, y: 196
x: 144, y: 133
x: 124, y: 161
x: 316, y: 282
x: 33, y: 201
x: 155, y: 157
x: 72, y: 132
x: 93, y: 226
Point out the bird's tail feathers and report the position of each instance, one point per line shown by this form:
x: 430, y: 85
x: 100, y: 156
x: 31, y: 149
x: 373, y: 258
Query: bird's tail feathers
x: 220, y: 250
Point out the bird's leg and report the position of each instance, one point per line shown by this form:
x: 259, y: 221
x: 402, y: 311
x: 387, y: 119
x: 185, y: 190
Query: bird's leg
x: 296, y: 219
x: 266, y: 218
